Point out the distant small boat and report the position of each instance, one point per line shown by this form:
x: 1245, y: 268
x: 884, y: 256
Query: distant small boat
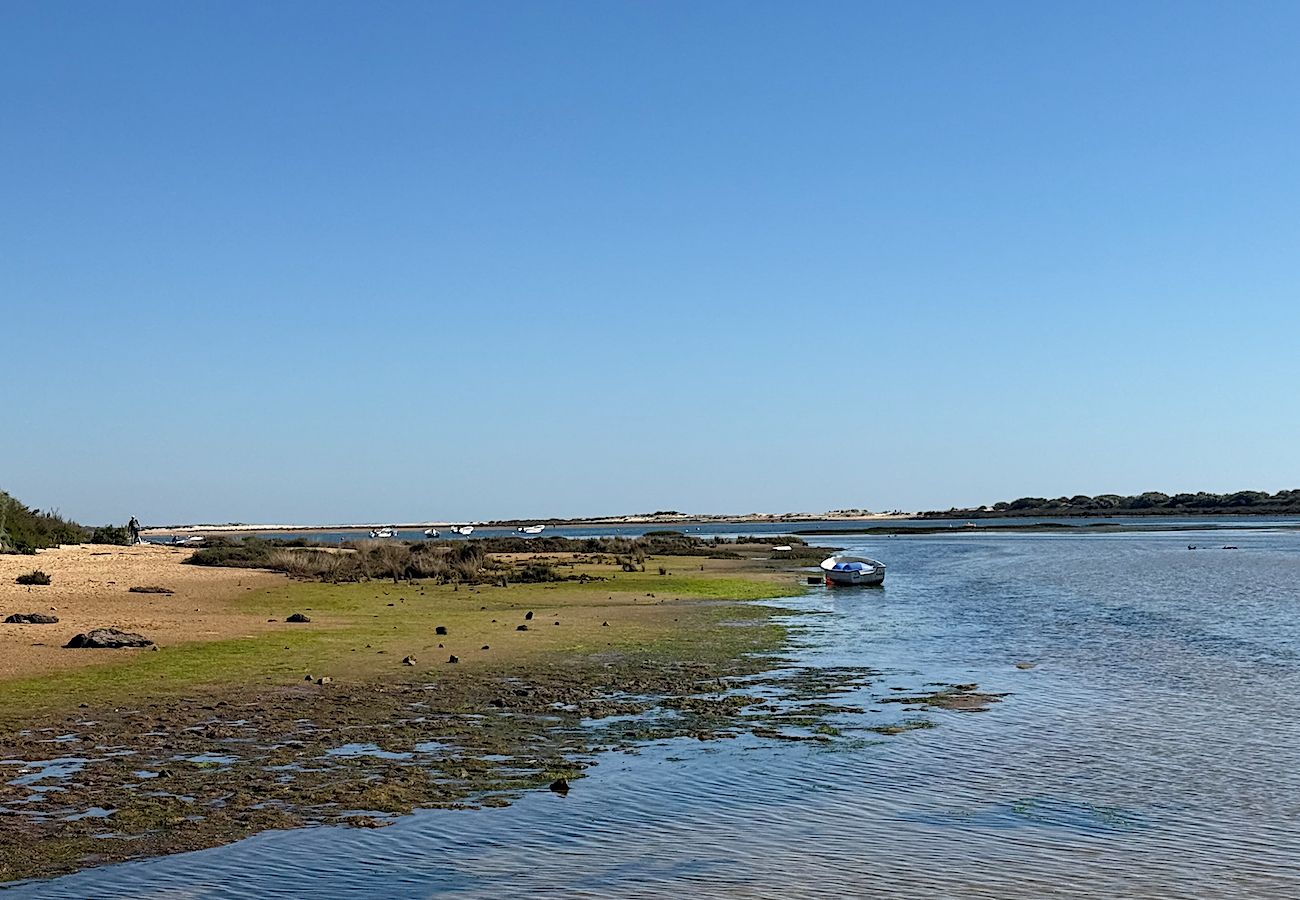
x: 853, y: 570
x: 465, y: 530
x: 432, y: 533
x: 532, y: 529
x: 388, y: 531
x: 178, y: 541
x: 784, y: 548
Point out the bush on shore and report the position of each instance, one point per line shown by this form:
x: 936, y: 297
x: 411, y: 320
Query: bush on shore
x: 24, y: 530
x: 453, y: 562
x: 110, y: 534
x: 36, y: 576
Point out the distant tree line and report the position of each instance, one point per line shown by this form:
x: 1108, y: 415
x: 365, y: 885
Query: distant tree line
x: 24, y: 530
x: 1151, y: 503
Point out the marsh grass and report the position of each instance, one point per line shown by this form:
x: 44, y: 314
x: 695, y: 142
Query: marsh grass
x: 359, y: 631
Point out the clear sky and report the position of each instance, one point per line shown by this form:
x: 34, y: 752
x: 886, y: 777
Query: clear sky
x: 317, y: 262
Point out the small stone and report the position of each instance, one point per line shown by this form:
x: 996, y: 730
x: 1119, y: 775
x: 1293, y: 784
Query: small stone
x: 441, y: 629
x: 604, y: 624
x: 307, y: 678
x: 440, y: 646
x: 528, y: 615
x: 557, y: 623
x: 31, y: 619
x: 408, y: 660
x: 521, y: 628
x: 485, y: 647
x: 298, y: 617
x: 498, y: 702
x: 324, y: 679
x: 560, y: 785
x: 453, y: 658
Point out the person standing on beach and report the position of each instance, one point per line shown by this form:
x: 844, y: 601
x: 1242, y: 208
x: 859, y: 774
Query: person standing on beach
x: 133, y: 528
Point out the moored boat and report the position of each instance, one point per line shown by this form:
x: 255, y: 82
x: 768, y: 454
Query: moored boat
x: 432, y: 533
x: 388, y: 531
x: 853, y: 570
x: 532, y: 529
x: 464, y: 530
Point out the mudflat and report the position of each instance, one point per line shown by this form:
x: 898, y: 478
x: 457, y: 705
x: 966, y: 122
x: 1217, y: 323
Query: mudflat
x: 389, y: 697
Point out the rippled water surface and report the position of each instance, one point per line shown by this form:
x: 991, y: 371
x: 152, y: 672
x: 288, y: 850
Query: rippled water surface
x: 1153, y: 750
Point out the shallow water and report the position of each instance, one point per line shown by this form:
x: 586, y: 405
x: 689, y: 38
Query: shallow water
x: 1152, y: 751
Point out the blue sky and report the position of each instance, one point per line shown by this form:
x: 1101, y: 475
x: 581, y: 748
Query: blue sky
x: 322, y: 262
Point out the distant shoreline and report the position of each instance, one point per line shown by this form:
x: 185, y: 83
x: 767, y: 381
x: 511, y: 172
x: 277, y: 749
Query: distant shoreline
x: 748, y: 519
x: 987, y: 520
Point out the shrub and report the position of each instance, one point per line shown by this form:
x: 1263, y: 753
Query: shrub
x: 24, y: 530
x: 111, y: 534
x: 149, y: 589
x: 535, y: 573
x: 251, y: 553
x: 36, y: 576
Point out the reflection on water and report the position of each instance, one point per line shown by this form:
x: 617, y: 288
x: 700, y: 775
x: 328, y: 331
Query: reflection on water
x: 1149, y: 748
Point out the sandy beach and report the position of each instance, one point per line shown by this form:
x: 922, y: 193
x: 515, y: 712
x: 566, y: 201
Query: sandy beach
x: 89, y: 589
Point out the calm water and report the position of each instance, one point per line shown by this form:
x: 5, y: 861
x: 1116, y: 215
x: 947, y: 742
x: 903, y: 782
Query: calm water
x: 1154, y: 751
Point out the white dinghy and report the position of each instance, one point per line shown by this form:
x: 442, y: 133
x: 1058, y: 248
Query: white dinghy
x: 853, y: 570
x: 532, y: 529
x: 388, y: 531
x: 464, y: 530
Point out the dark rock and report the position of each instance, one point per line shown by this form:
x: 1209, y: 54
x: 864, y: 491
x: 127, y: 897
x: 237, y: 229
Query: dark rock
x: 307, y: 678
x: 485, y: 647
x: 31, y: 619
x: 408, y: 660
x: 441, y: 629
x: 560, y: 785
x: 521, y: 628
x: 298, y: 617
x: 528, y: 615
x: 453, y: 658
x: 107, y: 639
x: 498, y: 702
x: 324, y: 679
x: 604, y: 624
x: 557, y: 623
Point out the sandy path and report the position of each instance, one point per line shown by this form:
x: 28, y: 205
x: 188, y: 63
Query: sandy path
x: 89, y: 590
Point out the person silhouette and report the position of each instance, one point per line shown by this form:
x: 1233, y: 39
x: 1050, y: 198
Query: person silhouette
x: 133, y: 528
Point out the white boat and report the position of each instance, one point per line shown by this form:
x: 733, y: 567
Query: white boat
x: 432, y: 533
x: 532, y: 529
x: 387, y: 531
x: 853, y: 570
x: 465, y: 530
x: 179, y: 541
